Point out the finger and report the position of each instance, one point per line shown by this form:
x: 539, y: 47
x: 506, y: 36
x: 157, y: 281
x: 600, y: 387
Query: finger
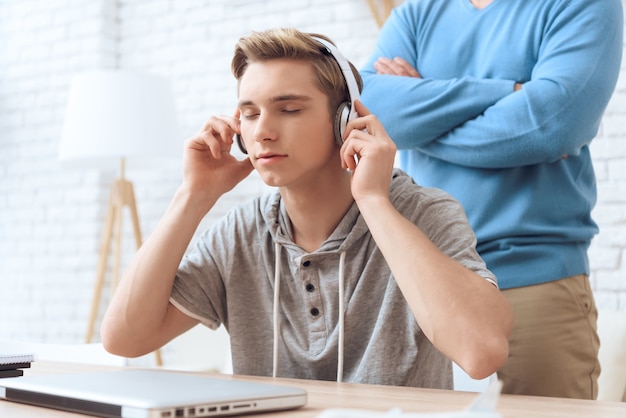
x: 367, y: 124
x: 210, y: 123
x: 217, y: 134
x: 353, y: 149
x: 237, y: 120
x: 361, y: 112
x: 214, y: 145
x: 360, y: 108
x: 383, y: 66
x: 218, y: 123
x: 405, y: 68
x: 348, y: 156
x: 196, y: 142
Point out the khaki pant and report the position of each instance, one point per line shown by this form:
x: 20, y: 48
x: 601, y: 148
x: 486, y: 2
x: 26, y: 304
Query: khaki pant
x: 554, y: 345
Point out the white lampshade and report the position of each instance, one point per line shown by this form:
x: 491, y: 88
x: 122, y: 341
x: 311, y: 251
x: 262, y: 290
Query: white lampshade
x: 115, y: 114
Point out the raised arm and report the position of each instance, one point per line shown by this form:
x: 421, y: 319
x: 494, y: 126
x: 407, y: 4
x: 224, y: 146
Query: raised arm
x: 463, y: 314
x: 568, y: 61
x: 140, y: 317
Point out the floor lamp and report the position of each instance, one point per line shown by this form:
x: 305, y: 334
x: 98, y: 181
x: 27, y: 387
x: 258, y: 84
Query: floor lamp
x: 114, y: 119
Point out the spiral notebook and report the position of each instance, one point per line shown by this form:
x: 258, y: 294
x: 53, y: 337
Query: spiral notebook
x: 11, y: 365
x: 9, y: 358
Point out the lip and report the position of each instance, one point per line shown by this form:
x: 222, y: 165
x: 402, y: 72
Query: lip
x: 266, y: 158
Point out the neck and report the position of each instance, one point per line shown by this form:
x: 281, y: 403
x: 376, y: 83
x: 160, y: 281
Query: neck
x: 316, y: 211
x: 481, y: 4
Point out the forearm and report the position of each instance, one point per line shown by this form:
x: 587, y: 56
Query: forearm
x: 568, y: 68
x: 539, y: 124
x: 417, y: 111
x: 472, y: 331
x: 140, y: 318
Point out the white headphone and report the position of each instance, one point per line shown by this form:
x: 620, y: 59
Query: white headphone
x: 346, y: 110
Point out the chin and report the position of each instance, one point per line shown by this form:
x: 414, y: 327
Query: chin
x: 271, y: 179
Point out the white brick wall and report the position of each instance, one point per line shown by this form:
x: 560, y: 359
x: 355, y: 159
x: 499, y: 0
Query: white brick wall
x: 51, y: 217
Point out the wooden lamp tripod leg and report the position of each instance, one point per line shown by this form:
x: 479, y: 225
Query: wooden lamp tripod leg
x: 122, y: 194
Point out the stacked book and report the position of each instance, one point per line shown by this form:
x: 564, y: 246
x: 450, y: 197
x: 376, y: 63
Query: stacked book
x: 12, y: 365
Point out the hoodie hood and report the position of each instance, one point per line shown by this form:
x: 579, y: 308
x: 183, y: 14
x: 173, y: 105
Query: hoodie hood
x: 349, y: 231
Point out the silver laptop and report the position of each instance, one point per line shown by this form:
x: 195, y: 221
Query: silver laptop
x: 150, y: 394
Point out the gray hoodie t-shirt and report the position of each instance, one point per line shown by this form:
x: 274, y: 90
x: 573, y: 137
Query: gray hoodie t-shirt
x: 228, y: 278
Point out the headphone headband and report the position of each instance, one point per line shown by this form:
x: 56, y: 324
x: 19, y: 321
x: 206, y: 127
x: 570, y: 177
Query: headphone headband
x: 348, y: 75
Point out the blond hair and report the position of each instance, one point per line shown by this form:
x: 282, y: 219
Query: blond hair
x: 291, y: 43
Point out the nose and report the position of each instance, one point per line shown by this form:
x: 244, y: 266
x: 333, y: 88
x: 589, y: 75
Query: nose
x: 264, y: 129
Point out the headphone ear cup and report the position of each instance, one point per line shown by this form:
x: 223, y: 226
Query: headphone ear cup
x: 341, y: 121
x: 240, y: 143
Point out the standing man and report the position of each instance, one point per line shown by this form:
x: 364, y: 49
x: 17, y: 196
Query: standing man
x: 496, y: 102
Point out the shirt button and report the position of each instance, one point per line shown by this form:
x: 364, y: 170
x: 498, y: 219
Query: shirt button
x: 310, y: 287
x: 315, y: 312
x: 307, y: 263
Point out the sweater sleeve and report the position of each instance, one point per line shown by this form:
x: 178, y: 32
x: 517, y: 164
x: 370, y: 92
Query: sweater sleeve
x: 417, y: 111
x: 555, y: 114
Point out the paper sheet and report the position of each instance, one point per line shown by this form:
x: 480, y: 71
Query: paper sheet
x: 484, y: 406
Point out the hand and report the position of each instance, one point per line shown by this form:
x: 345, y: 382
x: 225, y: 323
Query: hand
x: 209, y: 169
x: 367, y: 142
x: 397, y: 66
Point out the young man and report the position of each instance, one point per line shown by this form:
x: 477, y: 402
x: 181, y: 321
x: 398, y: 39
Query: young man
x: 500, y: 112
x: 347, y: 251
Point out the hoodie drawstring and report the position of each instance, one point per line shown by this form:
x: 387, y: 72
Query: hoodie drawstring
x: 276, y: 304
x: 275, y: 312
x: 342, y: 257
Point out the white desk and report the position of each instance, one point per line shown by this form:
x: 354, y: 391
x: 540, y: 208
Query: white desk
x: 324, y: 395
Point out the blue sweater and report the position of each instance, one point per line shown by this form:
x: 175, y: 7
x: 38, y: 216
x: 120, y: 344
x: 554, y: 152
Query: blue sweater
x: 519, y: 162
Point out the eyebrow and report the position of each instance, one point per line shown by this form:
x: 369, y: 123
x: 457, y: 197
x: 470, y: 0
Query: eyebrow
x: 280, y: 98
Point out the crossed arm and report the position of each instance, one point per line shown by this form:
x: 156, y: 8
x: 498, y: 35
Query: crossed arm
x: 490, y: 122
